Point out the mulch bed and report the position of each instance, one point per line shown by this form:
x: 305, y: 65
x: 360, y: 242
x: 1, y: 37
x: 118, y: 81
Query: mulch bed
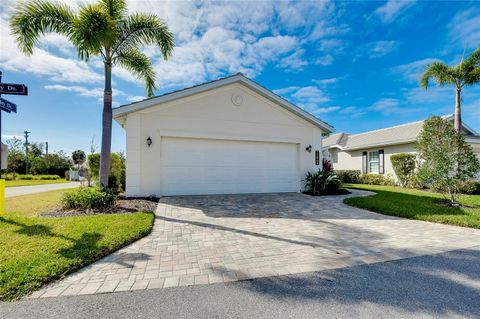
x: 122, y: 206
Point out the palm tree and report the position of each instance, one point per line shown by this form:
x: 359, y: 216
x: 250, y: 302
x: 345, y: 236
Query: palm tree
x: 105, y: 30
x: 466, y: 73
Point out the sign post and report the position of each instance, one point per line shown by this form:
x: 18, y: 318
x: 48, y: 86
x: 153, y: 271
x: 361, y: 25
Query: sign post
x: 9, y: 107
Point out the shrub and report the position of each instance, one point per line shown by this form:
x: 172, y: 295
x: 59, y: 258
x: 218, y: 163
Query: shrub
x: 26, y: 177
x: 88, y: 198
x: 404, y: 167
x: 348, y: 176
x: 376, y: 179
x: 470, y: 188
x: 322, y: 183
x: 8, y: 177
x: 117, y: 167
x: 327, y: 165
x: 447, y: 161
x: 47, y: 177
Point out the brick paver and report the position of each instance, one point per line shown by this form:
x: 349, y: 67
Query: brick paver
x: 210, y: 239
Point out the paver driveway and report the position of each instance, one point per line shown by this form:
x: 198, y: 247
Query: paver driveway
x: 210, y: 239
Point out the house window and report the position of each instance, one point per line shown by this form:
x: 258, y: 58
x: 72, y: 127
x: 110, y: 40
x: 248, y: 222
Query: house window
x: 373, y: 162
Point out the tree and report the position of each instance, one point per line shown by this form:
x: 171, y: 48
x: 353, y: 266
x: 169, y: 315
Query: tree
x: 36, y: 149
x: 466, y: 73
x: 404, y: 167
x: 446, y: 160
x: 101, y: 29
x: 78, y: 157
x: 16, y: 157
x: 117, y: 169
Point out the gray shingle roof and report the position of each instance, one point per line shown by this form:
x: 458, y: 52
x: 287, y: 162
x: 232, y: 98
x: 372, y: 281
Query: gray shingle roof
x: 394, y: 135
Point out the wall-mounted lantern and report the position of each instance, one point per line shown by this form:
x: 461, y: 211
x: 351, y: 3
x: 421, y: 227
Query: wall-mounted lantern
x: 149, y: 141
x: 309, y: 148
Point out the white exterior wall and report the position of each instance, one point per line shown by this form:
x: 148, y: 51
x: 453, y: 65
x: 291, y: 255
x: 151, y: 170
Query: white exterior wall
x: 352, y: 160
x: 211, y: 115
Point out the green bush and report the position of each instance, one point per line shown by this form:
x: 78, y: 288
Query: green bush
x: 47, y: 177
x: 376, y: 179
x: 8, y: 177
x: 117, y: 167
x: 322, y: 182
x: 404, y: 167
x: 348, y: 176
x: 28, y: 177
x: 470, y: 188
x: 88, y: 198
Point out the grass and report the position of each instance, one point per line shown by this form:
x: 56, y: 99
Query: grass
x: 36, y: 250
x: 33, y: 182
x: 417, y: 204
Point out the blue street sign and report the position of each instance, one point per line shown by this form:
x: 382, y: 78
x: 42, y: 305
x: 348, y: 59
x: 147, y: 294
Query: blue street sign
x: 8, y: 106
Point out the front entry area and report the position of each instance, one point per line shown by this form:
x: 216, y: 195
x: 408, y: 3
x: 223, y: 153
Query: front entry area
x: 195, y: 166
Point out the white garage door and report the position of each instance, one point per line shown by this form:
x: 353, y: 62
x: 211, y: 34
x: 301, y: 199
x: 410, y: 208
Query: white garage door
x: 207, y: 166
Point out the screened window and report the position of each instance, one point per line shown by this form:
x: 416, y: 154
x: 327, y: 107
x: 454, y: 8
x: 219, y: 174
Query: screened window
x: 373, y: 162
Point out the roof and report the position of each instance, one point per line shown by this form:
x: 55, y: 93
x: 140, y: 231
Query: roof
x: 394, y: 135
x: 236, y: 78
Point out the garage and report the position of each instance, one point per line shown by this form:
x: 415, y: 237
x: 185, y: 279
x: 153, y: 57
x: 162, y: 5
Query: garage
x: 227, y: 136
x: 192, y: 166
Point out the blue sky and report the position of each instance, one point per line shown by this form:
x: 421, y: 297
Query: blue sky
x: 353, y: 64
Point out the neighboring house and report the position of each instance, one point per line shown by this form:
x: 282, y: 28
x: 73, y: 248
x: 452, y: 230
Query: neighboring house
x: 370, y: 152
x: 223, y: 137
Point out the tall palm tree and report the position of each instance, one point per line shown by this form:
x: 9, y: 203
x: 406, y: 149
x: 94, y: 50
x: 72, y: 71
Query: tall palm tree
x: 103, y: 29
x: 466, y: 73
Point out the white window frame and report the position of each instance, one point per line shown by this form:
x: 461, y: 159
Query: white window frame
x: 369, y: 162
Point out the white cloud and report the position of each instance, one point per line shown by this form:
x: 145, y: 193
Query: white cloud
x: 212, y: 39
x: 82, y: 91
x: 388, y: 106
x: 135, y: 98
x: 310, y: 98
x: 324, y: 110
x: 464, y: 29
x: 324, y: 60
x: 353, y: 112
x: 392, y: 10
x: 324, y: 82
x: 413, y: 70
x: 294, y: 62
x: 376, y: 49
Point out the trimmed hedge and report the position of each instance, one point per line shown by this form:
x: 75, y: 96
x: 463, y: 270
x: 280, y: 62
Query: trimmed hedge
x: 29, y: 177
x: 348, y: 176
x: 376, y: 179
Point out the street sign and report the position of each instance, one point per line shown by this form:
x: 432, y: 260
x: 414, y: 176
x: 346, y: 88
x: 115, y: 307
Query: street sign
x: 15, y: 89
x: 8, y: 106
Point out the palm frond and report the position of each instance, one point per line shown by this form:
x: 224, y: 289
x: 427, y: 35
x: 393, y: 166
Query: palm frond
x: 31, y: 20
x: 440, y: 72
x: 140, y: 65
x: 94, y: 29
x: 141, y: 29
x: 473, y: 77
x: 116, y: 9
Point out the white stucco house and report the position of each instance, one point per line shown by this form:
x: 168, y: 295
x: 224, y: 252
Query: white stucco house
x: 227, y: 136
x: 370, y: 152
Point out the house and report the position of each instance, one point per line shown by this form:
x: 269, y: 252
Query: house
x: 370, y: 152
x: 227, y: 136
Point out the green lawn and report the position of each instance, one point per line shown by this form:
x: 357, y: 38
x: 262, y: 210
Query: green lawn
x: 417, y: 204
x: 36, y: 250
x: 33, y: 182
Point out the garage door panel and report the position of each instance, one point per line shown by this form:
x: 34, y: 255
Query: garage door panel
x: 207, y: 166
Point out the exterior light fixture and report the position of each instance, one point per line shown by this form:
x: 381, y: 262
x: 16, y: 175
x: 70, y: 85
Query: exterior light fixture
x: 149, y: 141
x: 309, y: 148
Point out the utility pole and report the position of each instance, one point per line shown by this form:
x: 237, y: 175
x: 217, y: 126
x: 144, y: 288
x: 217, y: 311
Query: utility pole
x: 26, y: 150
x: 46, y: 148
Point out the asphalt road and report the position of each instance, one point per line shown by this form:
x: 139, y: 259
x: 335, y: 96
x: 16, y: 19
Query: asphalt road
x: 439, y: 286
x: 24, y: 190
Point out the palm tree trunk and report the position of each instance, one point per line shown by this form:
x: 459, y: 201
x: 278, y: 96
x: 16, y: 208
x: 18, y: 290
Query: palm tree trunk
x: 458, y: 111
x: 106, y: 126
